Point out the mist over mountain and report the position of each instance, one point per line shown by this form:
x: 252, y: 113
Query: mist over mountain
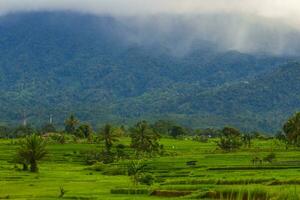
x: 200, y: 70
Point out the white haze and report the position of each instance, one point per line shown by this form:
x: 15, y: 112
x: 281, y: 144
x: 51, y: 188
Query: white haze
x: 270, y: 26
x: 288, y: 9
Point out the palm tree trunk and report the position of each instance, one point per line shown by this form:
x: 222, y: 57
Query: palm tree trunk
x: 33, y: 166
x: 25, y: 167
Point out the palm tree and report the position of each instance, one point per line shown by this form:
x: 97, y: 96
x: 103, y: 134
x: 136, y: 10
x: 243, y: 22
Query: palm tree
x: 71, y: 124
x: 246, y: 139
x: 135, y: 169
x: 85, y: 131
x: 144, y: 139
x: 32, y: 150
x: 108, y: 135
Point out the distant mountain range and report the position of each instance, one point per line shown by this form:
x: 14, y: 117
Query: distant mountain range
x: 98, y: 68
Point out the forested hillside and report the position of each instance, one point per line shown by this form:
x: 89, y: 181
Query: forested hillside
x: 59, y: 63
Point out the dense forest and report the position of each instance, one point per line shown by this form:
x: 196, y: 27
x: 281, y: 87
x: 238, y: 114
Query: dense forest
x: 58, y: 63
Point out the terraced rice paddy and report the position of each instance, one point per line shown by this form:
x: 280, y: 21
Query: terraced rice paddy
x: 215, y: 175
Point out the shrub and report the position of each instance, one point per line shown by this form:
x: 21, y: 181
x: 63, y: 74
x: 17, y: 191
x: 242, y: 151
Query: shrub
x: 164, y: 193
x: 129, y: 191
x: 270, y: 157
x: 59, y: 138
x: 92, y: 157
x: 135, y: 169
x: 230, y: 139
x: 147, y: 179
x: 98, y: 166
x: 201, y: 138
x: 114, y: 170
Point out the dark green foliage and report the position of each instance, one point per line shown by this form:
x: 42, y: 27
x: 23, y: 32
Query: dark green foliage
x: 170, y: 193
x: 283, y: 138
x: 108, y: 136
x: 48, y: 128
x: 136, y: 169
x: 107, y: 157
x: 84, y: 131
x: 129, y: 191
x: 32, y: 149
x: 201, y: 138
x: 191, y: 163
x: 92, y: 157
x: 230, y: 139
x: 4, y: 131
x: 246, y: 139
x: 74, y: 62
x: 270, y: 157
x: 114, y: 170
x: 144, y: 139
x: 24, y: 130
x: 120, y: 151
x: 59, y: 138
x: 163, y: 127
x: 208, y: 132
x: 292, y: 129
x: 62, y: 192
x: 71, y: 124
x: 146, y: 179
x: 177, y: 131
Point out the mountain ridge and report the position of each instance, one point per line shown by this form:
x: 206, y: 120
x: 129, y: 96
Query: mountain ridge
x: 66, y: 63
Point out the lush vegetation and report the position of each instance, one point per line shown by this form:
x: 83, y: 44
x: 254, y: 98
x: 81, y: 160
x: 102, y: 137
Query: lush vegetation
x: 58, y: 63
x: 149, y: 161
x: 209, y: 103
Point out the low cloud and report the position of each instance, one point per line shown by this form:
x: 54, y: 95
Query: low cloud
x: 270, y: 8
x: 246, y: 25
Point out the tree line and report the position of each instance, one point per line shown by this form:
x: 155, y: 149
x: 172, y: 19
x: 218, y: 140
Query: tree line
x: 144, y: 139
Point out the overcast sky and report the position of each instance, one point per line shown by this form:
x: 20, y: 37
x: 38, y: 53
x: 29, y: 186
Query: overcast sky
x: 243, y: 36
x: 271, y: 8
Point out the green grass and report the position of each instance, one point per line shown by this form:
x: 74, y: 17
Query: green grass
x: 216, y: 175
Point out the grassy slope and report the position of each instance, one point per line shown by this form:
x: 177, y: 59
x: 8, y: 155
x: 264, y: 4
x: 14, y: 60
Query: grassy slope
x: 65, y: 167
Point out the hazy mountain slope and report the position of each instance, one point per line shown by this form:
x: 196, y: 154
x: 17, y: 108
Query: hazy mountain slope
x: 57, y: 63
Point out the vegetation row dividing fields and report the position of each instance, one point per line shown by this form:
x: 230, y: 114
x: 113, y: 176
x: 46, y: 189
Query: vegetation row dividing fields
x: 184, y: 171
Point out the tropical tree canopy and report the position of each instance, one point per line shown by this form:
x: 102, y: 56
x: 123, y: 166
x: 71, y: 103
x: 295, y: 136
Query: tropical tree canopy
x: 71, y: 124
x: 32, y: 149
x: 292, y: 129
x: 144, y: 139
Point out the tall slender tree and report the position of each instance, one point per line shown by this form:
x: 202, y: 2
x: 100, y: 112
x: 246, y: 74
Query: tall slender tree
x: 108, y: 135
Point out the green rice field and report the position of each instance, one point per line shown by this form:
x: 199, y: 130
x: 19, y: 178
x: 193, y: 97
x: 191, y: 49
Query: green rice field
x: 215, y: 175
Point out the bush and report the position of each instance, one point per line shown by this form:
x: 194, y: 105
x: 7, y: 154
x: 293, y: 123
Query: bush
x: 230, y: 139
x: 92, y: 157
x: 269, y: 158
x: 229, y: 144
x: 201, y: 138
x: 59, y: 138
x: 98, y: 166
x: 146, y: 179
x: 107, y: 169
x: 114, y: 170
x: 129, y: 191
